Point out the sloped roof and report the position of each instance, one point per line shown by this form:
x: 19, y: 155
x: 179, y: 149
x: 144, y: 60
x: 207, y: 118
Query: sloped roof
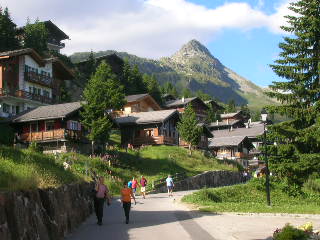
x: 146, y: 117
x: 223, y: 123
x: 133, y: 98
x: 253, y: 131
x: 229, y: 115
x: 226, y: 141
x: 48, y: 112
x: 179, y: 102
x: 24, y: 51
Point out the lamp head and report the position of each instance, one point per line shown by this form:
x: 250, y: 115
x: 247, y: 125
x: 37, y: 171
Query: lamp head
x: 264, y: 115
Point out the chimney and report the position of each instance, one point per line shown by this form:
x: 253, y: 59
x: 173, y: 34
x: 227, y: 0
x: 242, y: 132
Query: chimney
x: 217, y: 122
x: 182, y: 99
x: 231, y: 128
x: 227, y: 121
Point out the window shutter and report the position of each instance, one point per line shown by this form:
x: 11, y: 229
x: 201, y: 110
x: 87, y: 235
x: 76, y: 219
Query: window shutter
x: 68, y: 124
x: 79, y: 126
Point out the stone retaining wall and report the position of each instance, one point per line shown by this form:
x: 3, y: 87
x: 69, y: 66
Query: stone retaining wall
x: 206, y: 179
x: 44, y: 214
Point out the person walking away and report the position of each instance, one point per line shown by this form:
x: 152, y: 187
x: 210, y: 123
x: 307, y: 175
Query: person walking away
x: 143, y: 184
x: 130, y: 184
x: 102, y: 194
x: 126, y: 195
x: 135, y: 184
x: 170, y: 185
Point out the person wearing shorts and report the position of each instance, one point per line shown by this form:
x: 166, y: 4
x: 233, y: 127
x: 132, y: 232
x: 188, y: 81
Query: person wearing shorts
x: 143, y: 184
x: 134, y: 186
x: 170, y: 185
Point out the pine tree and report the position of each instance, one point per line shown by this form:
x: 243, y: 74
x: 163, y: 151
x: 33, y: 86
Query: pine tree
x: 299, y: 64
x: 102, y: 93
x: 168, y: 88
x: 36, y: 36
x: 245, y: 111
x: 186, y: 93
x: 231, y: 107
x: 153, y: 87
x: 203, y: 96
x: 188, y: 128
x: 8, y: 32
x: 133, y: 79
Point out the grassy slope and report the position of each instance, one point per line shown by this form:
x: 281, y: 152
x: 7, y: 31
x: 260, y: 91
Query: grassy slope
x: 21, y: 169
x: 251, y: 197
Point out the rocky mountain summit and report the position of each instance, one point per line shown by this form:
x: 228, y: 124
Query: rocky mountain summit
x: 194, y: 67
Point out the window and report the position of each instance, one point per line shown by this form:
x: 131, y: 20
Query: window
x: 17, y: 109
x: 6, y: 108
x: 39, y: 91
x: 13, y: 109
x: 34, y: 127
x: 49, y: 125
x: 46, y: 93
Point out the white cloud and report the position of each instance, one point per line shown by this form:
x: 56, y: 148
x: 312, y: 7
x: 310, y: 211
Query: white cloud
x: 150, y: 28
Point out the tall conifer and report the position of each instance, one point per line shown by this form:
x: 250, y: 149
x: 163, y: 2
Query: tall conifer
x: 298, y: 154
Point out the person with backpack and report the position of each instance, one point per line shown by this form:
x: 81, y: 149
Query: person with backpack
x: 170, y: 185
x: 126, y: 195
x: 101, y: 195
x: 143, y: 184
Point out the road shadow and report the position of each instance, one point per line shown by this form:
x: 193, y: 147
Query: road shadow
x: 114, y: 226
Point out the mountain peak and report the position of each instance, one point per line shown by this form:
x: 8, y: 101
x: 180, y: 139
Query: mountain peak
x: 192, y: 49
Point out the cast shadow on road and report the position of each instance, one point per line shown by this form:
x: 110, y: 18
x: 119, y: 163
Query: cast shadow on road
x: 115, y: 228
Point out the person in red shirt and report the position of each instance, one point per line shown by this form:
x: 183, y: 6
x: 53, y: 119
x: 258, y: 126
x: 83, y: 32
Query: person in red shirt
x: 126, y: 195
x: 134, y: 186
x: 143, y: 183
x: 102, y: 194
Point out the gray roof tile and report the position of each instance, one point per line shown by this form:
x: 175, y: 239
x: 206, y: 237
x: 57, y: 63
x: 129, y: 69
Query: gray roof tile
x: 48, y: 112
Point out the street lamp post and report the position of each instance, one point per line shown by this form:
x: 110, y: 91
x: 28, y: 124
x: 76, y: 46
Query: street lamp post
x: 264, y: 118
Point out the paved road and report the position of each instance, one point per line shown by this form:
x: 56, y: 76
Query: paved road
x: 163, y: 218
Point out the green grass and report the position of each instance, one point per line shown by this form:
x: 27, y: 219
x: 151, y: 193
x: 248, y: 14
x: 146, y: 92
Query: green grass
x: 251, y: 198
x: 24, y: 169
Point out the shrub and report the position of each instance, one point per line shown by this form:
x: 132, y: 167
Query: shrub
x: 313, y: 185
x: 35, y: 147
x: 290, y: 233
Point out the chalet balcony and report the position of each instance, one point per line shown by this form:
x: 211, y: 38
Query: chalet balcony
x: 56, y: 134
x: 34, y: 97
x: 38, y: 78
x: 154, y: 141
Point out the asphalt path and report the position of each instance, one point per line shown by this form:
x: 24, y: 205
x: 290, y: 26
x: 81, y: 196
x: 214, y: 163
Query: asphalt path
x: 159, y: 217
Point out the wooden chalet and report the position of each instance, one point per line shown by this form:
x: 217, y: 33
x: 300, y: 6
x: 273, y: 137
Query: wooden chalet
x: 138, y: 103
x: 230, y: 147
x: 27, y: 81
x: 215, y: 106
x: 204, y: 138
x: 197, y: 104
x: 56, y: 128
x: 55, y: 36
x: 149, y: 128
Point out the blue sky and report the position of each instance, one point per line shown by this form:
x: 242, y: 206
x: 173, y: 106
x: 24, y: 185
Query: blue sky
x: 242, y: 34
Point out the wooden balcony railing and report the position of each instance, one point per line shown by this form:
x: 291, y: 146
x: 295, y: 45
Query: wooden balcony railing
x: 38, y: 78
x: 154, y: 140
x: 50, y: 135
x: 26, y: 95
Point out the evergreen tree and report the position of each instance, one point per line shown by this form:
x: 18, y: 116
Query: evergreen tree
x: 153, y: 87
x: 231, y: 107
x: 133, y: 79
x: 203, y: 96
x: 212, y: 115
x: 102, y: 93
x: 188, y: 128
x: 36, y: 36
x: 299, y: 63
x: 245, y: 111
x: 186, y: 93
x: 8, y: 32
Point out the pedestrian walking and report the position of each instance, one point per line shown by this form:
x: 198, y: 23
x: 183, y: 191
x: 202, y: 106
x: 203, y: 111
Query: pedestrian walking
x: 126, y: 195
x: 130, y: 184
x: 143, y: 184
x: 102, y: 195
x: 170, y: 185
x: 134, y: 186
